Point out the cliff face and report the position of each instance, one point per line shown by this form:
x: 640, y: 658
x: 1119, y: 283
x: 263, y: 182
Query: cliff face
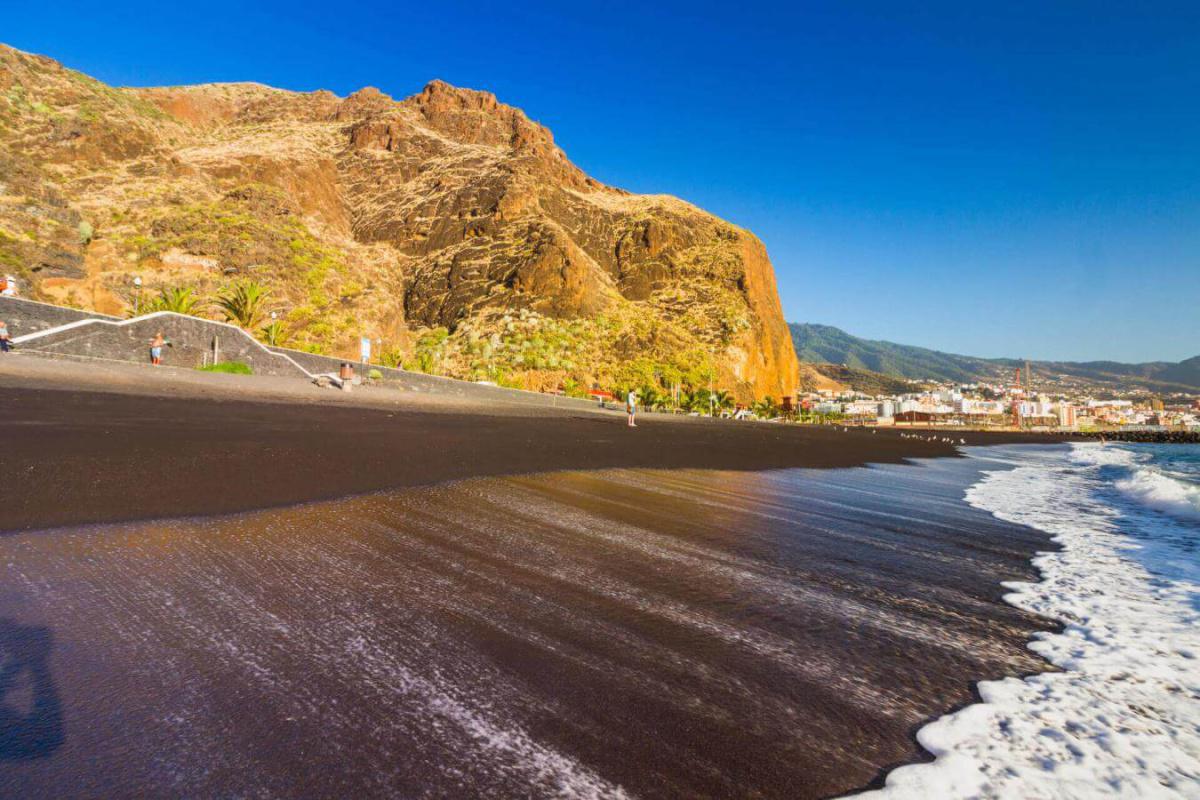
x: 449, y: 226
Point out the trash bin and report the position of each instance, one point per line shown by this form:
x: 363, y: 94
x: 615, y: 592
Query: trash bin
x: 347, y: 372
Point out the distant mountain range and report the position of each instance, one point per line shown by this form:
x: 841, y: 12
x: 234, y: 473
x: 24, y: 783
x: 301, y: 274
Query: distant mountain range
x: 861, y: 380
x: 827, y: 344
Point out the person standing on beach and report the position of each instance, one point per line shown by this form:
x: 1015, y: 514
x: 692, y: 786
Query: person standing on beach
x: 631, y: 407
x: 5, y: 338
x: 156, y: 346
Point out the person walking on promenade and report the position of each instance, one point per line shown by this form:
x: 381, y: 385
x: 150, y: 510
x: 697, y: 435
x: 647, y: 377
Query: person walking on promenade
x: 5, y: 338
x: 631, y: 407
x: 156, y: 346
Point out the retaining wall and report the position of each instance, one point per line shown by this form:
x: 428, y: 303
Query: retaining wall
x: 129, y: 340
x: 433, y: 384
x: 29, y: 316
x: 90, y: 335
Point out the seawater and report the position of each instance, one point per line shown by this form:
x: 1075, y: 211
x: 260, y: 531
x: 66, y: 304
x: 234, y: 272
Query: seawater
x: 1121, y: 717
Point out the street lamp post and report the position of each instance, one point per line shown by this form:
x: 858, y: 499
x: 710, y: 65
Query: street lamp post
x: 137, y: 293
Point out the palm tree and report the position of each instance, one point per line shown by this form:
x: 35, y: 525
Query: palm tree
x: 244, y: 303
x: 651, y: 398
x: 696, y: 400
x: 765, y: 408
x: 722, y: 400
x: 180, y: 300
x: 274, y: 334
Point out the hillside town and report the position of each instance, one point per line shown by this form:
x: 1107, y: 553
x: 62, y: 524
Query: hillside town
x: 1004, y: 406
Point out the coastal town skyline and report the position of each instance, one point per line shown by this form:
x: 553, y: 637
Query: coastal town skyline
x: 877, y: 218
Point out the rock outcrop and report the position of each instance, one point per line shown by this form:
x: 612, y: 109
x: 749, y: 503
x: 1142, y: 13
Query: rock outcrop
x: 448, y: 225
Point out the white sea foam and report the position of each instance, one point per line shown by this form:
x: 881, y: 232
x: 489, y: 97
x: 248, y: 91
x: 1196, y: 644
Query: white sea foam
x: 1162, y: 492
x: 1144, y: 482
x: 1122, y: 717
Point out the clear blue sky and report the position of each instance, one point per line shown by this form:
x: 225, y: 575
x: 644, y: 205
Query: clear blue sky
x: 1017, y: 179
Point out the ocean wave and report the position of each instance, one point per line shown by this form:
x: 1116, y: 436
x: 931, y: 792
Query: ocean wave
x: 1141, y: 481
x: 1121, y: 717
x: 1155, y: 489
x: 1098, y: 455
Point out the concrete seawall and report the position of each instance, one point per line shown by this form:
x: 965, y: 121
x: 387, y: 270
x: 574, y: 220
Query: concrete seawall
x: 56, y: 331
x: 434, y: 384
x: 193, y: 342
x: 29, y: 316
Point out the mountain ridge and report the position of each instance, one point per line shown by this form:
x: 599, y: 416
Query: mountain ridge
x: 828, y: 344
x: 448, y: 226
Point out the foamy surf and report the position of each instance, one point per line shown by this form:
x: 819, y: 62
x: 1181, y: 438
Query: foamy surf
x: 1122, y: 717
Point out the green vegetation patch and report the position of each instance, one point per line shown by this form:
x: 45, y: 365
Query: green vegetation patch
x: 229, y: 368
x: 253, y: 230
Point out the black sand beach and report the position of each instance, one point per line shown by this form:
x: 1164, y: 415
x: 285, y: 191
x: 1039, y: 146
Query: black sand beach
x: 665, y: 619
x: 602, y: 634
x: 86, y: 444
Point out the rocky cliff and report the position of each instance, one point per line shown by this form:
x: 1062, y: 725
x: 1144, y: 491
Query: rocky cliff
x: 447, y: 226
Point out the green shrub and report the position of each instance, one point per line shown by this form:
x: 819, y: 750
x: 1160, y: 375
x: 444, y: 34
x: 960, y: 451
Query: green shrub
x: 229, y: 367
x: 274, y: 334
x: 375, y: 375
x: 392, y: 357
x: 431, y: 346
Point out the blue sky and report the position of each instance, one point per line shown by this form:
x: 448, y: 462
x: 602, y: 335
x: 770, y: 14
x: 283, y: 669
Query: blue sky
x: 1015, y: 180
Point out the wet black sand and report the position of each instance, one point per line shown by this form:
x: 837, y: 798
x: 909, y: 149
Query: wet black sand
x: 629, y: 632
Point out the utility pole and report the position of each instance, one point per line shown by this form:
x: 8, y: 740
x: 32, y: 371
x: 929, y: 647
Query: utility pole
x: 1016, y: 408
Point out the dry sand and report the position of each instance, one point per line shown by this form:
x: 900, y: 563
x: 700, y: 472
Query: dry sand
x: 104, y: 442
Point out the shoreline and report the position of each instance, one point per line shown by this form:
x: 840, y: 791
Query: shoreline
x: 124, y: 443
x: 1099, y: 535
